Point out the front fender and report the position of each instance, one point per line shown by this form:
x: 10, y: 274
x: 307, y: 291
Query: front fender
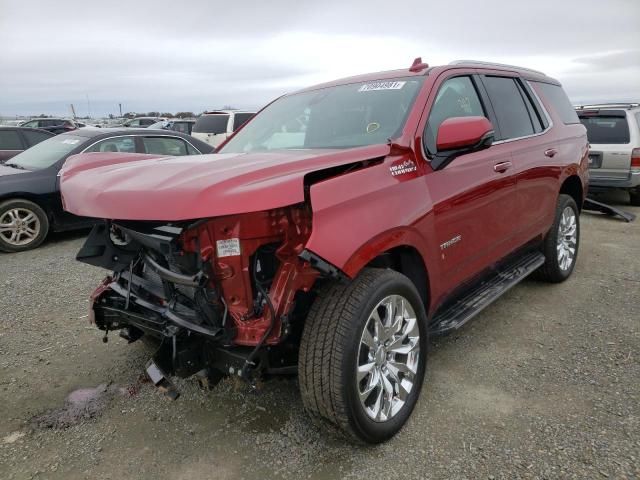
x: 358, y: 215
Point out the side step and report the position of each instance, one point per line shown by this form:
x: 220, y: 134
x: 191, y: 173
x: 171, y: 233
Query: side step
x: 453, y: 315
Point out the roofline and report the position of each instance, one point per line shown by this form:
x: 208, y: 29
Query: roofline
x: 496, y: 65
x: 627, y: 105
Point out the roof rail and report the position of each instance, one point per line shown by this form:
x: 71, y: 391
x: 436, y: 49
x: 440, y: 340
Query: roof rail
x: 627, y: 105
x: 493, y: 64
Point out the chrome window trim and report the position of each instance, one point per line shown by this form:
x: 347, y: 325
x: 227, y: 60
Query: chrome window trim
x: 141, y: 135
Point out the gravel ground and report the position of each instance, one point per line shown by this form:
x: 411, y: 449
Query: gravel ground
x: 544, y: 384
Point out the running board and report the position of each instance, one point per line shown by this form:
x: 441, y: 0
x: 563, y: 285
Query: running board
x: 456, y: 314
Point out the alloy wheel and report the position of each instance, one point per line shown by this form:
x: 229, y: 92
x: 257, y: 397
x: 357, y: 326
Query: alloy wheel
x: 388, y: 358
x: 567, y: 238
x: 19, y: 226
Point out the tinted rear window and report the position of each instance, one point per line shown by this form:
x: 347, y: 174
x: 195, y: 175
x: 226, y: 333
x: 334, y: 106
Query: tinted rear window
x: 10, y: 140
x: 34, y: 137
x: 555, y: 95
x: 606, y: 129
x: 239, y: 119
x: 211, y: 124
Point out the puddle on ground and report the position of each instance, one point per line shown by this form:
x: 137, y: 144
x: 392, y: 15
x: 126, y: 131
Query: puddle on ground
x: 82, y: 404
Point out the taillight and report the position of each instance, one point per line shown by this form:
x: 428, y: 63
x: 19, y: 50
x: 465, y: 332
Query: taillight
x: 635, y: 159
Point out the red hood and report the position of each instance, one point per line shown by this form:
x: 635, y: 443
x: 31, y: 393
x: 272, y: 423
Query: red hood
x: 143, y: 187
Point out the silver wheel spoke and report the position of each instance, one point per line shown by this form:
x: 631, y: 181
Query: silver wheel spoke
x: 364, y: 370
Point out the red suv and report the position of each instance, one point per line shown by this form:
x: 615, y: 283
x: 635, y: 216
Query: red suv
x: 337, y: 230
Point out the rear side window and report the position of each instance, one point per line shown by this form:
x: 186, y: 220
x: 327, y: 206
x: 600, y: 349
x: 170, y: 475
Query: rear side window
x: 555, y: 95
x: 116, y: 144
x: 165, y: 146
x: 215, y: 124
x: 514, y: 119
x: 239, y: 119
x: 34, y: 137
x: 10, y: 140
x: 606, y: 128
x: 457, y: 97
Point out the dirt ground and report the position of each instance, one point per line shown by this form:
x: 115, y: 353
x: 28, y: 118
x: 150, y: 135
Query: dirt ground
x: 544, y: 384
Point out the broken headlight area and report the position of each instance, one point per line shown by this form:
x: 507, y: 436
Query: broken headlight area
x: 223, y: 293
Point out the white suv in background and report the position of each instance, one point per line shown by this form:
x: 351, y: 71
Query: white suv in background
x: 215, y: 126
x: 613, y: 130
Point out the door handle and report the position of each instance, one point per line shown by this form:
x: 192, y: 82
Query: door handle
x: 550, y: 152
x: 502, y: 167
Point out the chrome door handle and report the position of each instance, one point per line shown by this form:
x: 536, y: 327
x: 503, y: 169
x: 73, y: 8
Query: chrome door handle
x: 502, y: 167
x: 550, y: 152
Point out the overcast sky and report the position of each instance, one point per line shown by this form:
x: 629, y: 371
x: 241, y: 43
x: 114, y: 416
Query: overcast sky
x: 196, y: 55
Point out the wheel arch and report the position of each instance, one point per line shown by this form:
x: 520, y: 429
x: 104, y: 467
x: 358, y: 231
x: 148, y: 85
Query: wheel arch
x: 30, y: 197
x: 572, y: 186
x: 406, y: 259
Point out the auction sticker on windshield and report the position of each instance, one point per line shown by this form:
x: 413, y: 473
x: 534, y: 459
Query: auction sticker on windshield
x: 368, y: 87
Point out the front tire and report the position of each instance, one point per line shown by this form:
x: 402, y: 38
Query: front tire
x: 363, y: 355
x: 23, y: 225
x: 561, y: 243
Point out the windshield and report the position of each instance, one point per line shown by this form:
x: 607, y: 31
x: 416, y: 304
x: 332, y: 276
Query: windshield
x: 343, y: 116
x: 214, y: 123
x: 46, y: 153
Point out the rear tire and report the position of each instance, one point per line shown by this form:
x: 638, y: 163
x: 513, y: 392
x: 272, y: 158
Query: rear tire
x: 23, y: 225
x: 561, y: 243
x: 634, y: 198
x: 351, y: 372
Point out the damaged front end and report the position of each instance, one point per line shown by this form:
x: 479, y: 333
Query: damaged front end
x: 221, y: 294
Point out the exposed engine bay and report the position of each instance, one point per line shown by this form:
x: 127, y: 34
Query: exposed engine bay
x: 224, y: 293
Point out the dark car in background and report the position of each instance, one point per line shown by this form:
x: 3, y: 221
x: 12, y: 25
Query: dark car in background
x: 30, y: 203
x: 14, y: 140
x: 53, y: 125
x: 175, y: 125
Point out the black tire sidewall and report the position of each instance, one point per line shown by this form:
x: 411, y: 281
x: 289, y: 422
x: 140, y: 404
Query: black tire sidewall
x: 38, y: 211
x: 367, y: 429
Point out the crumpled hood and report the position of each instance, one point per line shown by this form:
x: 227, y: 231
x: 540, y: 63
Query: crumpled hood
x: 143, y: 187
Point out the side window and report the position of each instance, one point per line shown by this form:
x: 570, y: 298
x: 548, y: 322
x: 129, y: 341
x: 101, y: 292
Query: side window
x: 554, y: 94
x: 10, y: 140
x: 117, y: 144
x: 30, y: 124
x: 239, y: 119
x: 164, y: 146
x: 511, y: 112
x: 34, y: 137
x: 192, y: 150
x: 533, y: 113
x: 134, y: 123
x: 147, y: 122
x: 457, y: 97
